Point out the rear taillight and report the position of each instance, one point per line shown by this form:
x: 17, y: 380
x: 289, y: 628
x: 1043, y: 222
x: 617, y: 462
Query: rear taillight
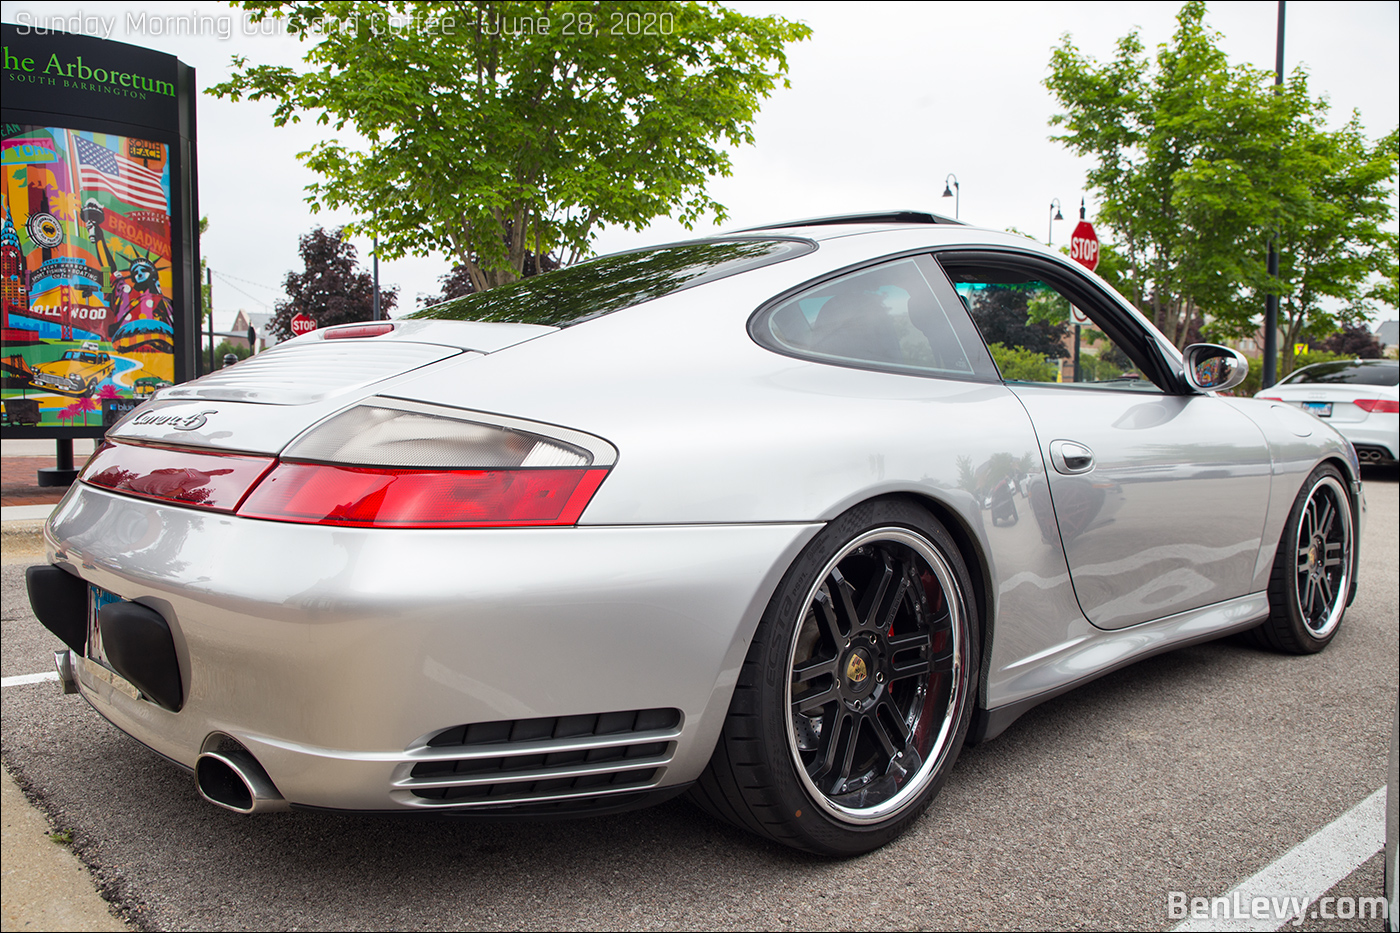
x: 187, y: 477
x: 1268, y: 398
x: 323, y: 494
x: 1379, y: 406
x: 384, y: 464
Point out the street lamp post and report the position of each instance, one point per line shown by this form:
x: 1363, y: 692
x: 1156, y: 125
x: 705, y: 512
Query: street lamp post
x: 1270, y: 373
x: 376, y: 279
x: 949, y: 193
x: 1054, y: 216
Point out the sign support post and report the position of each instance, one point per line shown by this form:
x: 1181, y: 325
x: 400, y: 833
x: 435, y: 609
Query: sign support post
x: 1083, y: 249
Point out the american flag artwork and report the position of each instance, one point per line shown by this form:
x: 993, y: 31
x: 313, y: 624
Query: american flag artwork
x: 101, y: 169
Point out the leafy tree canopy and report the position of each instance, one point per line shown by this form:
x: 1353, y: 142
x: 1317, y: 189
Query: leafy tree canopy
x: 457, y: 282
x: 1199, y: 163
x: 512, y: 127
x: 1354, y: 341
x: 331, y: 290
x: 1021, y: 365
x: 1029, y: 316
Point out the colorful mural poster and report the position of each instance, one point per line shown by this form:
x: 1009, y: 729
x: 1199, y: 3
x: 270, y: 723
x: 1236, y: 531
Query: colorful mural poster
x: 85, y: 258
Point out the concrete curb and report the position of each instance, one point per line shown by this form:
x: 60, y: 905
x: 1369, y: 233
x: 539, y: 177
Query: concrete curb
x: 45, y: 887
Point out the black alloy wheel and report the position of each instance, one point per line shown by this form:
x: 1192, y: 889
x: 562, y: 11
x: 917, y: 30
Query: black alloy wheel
x: 1313, y: 569
x: 857, y: 692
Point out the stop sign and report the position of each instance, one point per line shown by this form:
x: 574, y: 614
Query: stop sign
x: 301, y: 324
x: 1084, y: 245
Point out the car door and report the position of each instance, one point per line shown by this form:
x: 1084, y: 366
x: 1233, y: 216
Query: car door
x: 1159, y: 493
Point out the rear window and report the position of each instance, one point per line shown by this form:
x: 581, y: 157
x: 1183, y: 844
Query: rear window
x: 885, y: 317
x: 611, y: 283
x: 1347, y: 373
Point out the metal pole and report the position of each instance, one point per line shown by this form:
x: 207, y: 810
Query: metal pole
x: 1270, y: 375
x: 1071, y: 311
x: 209, y: 280
x: 376, y: 278
x: 62, y: 473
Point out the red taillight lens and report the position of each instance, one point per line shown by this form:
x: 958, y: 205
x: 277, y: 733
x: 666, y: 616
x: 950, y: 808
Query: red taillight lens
x: 1268, y: 398
x: 384, y: 463
x: 209, y: 481
x: 1379, y: 406
x: 324, y: 494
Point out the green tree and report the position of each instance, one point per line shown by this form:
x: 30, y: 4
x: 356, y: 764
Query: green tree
x: 206, y: 298
x: 499, y: 129
x: 1199, y: 163
x: 226, y: 347
x: 1021, y: 365
x: 1029, y: 316
x: 1333, y: 248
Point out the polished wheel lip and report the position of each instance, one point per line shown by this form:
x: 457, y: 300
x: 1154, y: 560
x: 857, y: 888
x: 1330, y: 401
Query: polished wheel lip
x: 1312, y: 545
x: 942, y: 743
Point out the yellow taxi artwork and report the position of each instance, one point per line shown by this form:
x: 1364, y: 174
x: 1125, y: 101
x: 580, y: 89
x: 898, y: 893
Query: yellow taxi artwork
x: 147, y: 385
x: 77, y: 372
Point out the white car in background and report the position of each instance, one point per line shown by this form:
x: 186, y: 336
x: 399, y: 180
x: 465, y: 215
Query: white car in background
x: 1359, y: 398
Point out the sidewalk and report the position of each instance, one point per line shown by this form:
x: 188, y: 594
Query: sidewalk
x: 45, y: 886
x: 20, y: 462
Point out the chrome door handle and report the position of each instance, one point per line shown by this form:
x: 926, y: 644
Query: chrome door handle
x: 1071, y: 457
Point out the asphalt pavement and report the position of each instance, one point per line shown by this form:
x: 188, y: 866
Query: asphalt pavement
x: 1184, y: 773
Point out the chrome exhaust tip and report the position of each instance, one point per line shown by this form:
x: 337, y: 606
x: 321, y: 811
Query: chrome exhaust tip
x: 67, y: 679
x: 232, y: 778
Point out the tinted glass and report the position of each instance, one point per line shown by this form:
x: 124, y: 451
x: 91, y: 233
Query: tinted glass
x: 1348, y: 372
x: 884, y: 318
x: 1030, y: 331
x: 612, y: 283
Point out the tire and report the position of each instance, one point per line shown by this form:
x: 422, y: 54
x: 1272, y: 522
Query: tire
x: 855, y: 697
x: 1313, y: 568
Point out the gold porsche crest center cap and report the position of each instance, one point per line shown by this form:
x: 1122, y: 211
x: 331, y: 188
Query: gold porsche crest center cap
x: 856, y: 671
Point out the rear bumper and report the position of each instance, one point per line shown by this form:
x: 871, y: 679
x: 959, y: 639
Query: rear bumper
x: 334, y: 655
x: 1380, y: 433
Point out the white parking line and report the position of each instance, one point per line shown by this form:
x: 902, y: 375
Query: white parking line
x: 21, y: 679
x: 1304, y: 873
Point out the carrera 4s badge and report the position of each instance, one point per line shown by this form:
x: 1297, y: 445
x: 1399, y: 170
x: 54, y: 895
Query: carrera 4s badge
x: 190, y: 422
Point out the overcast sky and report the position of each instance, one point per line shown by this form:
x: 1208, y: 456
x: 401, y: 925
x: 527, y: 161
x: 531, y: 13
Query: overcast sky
x: 886, y: 100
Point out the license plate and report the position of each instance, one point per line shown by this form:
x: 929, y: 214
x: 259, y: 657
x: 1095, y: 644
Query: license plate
x: 95, y: 666
x: 97, y: 598
x: 1321, y: 409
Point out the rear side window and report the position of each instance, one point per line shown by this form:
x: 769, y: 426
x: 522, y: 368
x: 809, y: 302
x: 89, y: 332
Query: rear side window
x: 611, y: 283
x: 1348, y: 373
x: 885, y: 317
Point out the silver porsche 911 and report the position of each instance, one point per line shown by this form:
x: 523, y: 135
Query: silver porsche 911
x: 782, y: 519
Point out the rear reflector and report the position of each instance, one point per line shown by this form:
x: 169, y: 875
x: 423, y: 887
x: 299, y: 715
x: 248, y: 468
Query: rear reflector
x: 207, y: 481
x: 1379, y: 406
x: 325, y: 494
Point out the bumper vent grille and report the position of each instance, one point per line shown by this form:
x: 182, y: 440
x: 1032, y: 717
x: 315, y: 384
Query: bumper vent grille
x: 532, y: 761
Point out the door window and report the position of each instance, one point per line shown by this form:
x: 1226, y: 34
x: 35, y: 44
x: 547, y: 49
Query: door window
x: 1034, y: 317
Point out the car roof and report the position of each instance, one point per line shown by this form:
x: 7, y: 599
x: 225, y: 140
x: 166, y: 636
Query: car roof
x: 865, y: 219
